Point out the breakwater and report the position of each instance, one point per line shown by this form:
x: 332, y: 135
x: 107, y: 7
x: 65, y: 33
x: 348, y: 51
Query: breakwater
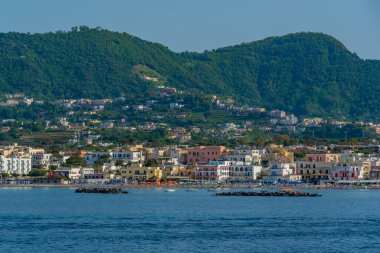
x: 101, y: 189
x: 270, y: 194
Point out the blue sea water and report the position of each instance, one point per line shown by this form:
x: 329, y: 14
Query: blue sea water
x: 152, y: 220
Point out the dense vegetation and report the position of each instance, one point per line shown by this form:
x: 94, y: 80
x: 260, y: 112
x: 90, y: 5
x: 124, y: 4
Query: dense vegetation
x: 309, y: 74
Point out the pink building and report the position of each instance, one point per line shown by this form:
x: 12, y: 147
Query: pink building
x: 204, y: 154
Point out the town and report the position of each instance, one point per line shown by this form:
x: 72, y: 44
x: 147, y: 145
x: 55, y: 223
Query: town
x: 179, y: 137
x: 336, y: 165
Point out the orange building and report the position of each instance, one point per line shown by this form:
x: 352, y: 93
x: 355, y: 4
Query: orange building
x: 204, y: 154
x: 323, y: 157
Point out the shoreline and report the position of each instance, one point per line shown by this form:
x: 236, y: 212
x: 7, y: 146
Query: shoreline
x: 224, y: 187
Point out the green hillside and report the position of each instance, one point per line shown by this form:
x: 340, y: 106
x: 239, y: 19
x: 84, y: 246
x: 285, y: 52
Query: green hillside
x: 309, y: 74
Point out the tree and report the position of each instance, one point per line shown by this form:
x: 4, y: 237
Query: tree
x: 98, y: 164
x: 283, y: 139
x: 119, y: 162
x: 75, y: 161
x: 37, y: 173
x: 5, y: 175
x: 152, y: 162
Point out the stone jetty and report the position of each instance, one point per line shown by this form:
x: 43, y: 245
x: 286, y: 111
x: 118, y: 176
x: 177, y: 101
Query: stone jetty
x: 101, y: 189
x: 270, y: 194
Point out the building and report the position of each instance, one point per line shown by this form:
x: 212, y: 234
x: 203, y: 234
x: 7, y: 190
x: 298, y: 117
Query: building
x: 92, y: 157
x: 204, y: 154
x: 322, y: 157
x: 278, y: 114
x: 375, y: 174
x: 244, y: 154
x: 141, y: 173
x: 239, y: 158
x: 86, y: 172
x: 227, y: 171
x: 15, y: 165
x: 350, y: 166
x: 316, y: 167
x: 67, y: 172
x: 128, y: 156
x: 181, y: 135
x: 314, y: 171
x: 212, y: 171
x: 41, y: 160
x: 279, y: 169
x: 241, y: 171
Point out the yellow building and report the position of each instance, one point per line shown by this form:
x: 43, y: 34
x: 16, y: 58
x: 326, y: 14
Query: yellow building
x: 141, y: 173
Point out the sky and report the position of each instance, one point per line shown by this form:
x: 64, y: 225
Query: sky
x: 198, y: 25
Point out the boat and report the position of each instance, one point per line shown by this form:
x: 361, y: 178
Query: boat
x: 170, y: 190
x: 215, y: 189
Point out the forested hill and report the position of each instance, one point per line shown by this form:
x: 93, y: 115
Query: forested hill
x: 309, y: 74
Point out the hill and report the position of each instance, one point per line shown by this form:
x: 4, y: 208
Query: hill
x: 309, y: 74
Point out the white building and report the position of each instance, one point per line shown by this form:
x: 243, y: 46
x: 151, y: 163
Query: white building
x: 227, y: 170
x: 128, y: 156
x: 125, y: 156
x: 86, y: 171
x: 92, y: 157
x: 241, y: 171
x: 67, y: 172
x: 15, y: 165
x: 247, y: 155
x: 239, y: 158
x: 282, y: 169
x: 350, y: 166
x: 41, y: 159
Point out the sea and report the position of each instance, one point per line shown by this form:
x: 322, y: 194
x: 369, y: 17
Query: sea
x: 154, y: 220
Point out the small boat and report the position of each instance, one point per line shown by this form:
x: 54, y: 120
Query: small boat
x: 170, y: 190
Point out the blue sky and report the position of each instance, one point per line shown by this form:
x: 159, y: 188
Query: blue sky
x: 197, y: 25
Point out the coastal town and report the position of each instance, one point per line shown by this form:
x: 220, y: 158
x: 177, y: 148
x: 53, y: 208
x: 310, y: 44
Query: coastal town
x: 335, y: 165
x: 178, y: 137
